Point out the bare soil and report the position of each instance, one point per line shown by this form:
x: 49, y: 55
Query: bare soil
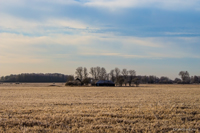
x: 48, y: 107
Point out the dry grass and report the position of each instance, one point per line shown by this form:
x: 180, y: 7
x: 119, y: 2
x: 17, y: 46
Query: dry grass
x: 148, y: 108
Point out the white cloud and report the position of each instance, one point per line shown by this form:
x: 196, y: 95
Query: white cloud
x: 19, y: 48
x: 115, y: 54
x: 10, y: 58
x: 9, y: 40
x: 47, y: 26
x: 144, y: 56
x: 66, y: 23
x: 148, y: 42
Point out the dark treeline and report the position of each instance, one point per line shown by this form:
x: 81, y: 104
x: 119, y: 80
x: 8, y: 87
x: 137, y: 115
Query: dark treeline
x: 35, y: 77
x: 119, y: 77
x: 129, y: 77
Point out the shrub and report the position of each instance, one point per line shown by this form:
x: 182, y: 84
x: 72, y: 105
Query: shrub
x: 72, y: 83
x: 136, y: 81
x: 69, y: 83
x: 86, y: 81
x: 121, y: 81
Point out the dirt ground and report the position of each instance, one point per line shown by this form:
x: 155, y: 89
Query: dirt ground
x: 48, y: 107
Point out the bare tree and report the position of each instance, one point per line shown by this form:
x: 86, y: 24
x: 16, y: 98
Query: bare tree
x: 85, y: 80
x: 98, y: 72
x: 185, y: 76
x: 120, y: 80
x: 79, y: 73
x: 103, y: 74
x: 182, y: 74
x: 117, y: 74
x: 112, y: 75
x: 125, y: 75
x: 132, y: 74
x: 85, y: 73
x: 70, y: 78
x: 107, y: 76
x: 93, y: 72
x: 136, y: 81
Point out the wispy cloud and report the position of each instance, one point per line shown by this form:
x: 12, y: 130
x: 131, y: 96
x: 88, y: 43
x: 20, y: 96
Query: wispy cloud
x: 48, y: 26
x: 147, y: 56
x: 20, y: 59
x: 115, y: 55
x: 166, y: 4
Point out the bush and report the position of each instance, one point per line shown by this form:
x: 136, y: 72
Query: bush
x: 121, y: 81
x: 136, y: 81
x: 72, y: 83
x: 93, y: 84
x: 69, y: 83
x: 86, y: 81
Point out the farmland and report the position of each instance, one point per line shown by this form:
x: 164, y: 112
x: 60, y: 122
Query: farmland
x: 56, y: 108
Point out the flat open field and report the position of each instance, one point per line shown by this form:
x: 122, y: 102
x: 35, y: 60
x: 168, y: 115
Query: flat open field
x: 148, y: 108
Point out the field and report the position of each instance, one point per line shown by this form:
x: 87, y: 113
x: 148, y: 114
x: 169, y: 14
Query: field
x: 148, y: 108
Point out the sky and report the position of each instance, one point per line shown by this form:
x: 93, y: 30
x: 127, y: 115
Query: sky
x: 152, y: 37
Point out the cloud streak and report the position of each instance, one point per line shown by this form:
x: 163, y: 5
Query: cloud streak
x: 166, y: 4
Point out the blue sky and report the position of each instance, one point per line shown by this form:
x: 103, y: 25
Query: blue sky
x: 152, y: 37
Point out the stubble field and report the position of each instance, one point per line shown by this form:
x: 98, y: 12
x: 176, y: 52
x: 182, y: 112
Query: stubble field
x: 148, y: 108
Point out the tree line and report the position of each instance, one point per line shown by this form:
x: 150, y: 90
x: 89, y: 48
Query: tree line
x: 119, y: 77
x: 35, y: 77
x: 128, y: 77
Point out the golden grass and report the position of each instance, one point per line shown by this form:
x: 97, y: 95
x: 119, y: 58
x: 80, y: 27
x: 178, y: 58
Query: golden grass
x: 148, y: 108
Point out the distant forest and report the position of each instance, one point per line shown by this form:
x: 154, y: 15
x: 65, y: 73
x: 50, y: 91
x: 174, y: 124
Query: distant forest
x: 116, y: 75
x: 35, y: 77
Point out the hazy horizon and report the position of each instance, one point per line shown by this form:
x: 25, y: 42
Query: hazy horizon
x: 171, y: 77
x: 152, y: 37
